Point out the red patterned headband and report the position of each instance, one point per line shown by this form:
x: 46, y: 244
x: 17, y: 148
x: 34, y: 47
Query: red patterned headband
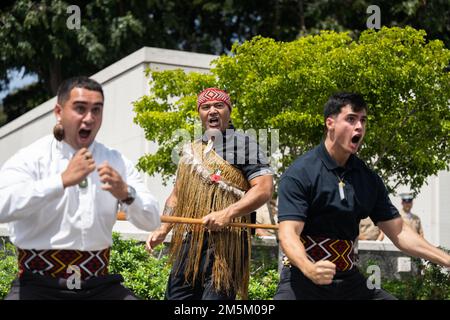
x: 211, y: 94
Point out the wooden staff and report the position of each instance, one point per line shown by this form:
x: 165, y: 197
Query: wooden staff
x: 171, y: 219
x: 121, y: 216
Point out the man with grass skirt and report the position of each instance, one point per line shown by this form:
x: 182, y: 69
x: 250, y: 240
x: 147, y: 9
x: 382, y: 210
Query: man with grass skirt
x: 221, y: 178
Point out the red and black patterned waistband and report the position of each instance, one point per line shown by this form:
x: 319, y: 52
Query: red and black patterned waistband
x: 64, y: 263
x: 340, y: 252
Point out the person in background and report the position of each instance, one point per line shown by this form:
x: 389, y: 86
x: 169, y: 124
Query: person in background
x: 408, y: 217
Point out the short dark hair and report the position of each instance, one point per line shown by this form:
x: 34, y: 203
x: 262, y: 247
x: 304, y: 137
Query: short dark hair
x: 76, y: 82
x: 341, y: 99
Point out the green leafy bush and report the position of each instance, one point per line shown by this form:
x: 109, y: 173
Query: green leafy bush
x: 432, y: 284
x: 263, y: 285
x: 264, y: 275
x: 8, y: 267
x: 144, y: 274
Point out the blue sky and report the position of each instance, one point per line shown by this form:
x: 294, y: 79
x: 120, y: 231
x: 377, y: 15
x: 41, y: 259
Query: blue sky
x: 18, y: 81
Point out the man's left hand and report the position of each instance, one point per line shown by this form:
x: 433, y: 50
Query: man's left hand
x: 217, y: 220
x: 112, y: 181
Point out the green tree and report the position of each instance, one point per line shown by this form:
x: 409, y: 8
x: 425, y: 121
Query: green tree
x: 34, y: 34
x: 146, y: 275
x: 22, y: 100
x: 350, y: 15
x: 8, y: 266
x: 2, y: 118
x: 277, y: 85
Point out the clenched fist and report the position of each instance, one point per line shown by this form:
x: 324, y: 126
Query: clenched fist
x: 321, y: 272
x: 78, y: 168
x: 217, y: 220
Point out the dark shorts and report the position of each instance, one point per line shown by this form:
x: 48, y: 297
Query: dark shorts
x: 32, y: 286
x: 349, y: 285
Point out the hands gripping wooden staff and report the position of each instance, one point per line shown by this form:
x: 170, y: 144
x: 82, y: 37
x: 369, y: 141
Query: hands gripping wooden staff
x: 171, y: 219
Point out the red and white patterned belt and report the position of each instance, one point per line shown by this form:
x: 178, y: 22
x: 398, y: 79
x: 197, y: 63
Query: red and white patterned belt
x: 64, y: 263
x: 340, y: 252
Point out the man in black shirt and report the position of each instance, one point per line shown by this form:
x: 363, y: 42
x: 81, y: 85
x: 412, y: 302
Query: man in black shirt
x: 221, y: 179
x: 323, y: 196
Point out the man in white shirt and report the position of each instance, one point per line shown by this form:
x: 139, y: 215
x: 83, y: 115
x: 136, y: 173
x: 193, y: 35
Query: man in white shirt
x: 60, y: 196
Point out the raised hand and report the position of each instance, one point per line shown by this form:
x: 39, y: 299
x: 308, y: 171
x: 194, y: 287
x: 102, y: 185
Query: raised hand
x: 78, y: 168
x: 112, y: 181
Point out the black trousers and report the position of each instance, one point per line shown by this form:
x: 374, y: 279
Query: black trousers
x: 32, y: 286
x: 179, y: 288
x: 348, y: 285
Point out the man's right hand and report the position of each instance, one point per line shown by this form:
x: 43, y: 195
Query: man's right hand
x: 154, y: 239
x: 321, y: 272
x: 78, y: 168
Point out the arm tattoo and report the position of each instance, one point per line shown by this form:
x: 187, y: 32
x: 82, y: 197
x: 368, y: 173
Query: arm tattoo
x: 168, y: 210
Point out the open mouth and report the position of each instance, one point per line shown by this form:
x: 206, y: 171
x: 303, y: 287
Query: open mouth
x: 213, y: 121
x: 356, y: 138
x: 84, y: 134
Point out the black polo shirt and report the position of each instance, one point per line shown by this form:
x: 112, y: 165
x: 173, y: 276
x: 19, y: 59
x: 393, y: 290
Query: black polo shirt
x: 244, y: 153
x: 241, y: 151
x: 309, y: 192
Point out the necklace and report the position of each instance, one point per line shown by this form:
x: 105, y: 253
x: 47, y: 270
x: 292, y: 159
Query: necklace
x: 341, y: 185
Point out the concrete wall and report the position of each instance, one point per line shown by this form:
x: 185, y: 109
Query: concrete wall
x: 432, y: 205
